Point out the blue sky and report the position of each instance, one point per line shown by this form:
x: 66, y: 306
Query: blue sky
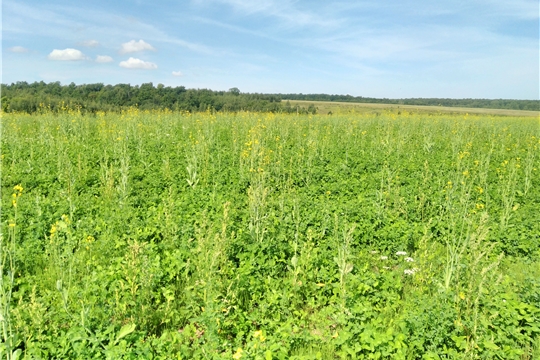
x: 395, y: 49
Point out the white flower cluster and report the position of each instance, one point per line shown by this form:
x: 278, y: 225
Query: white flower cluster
x: 409, y: 259
x: 410, y: 271
x: 384, y: 257
x: 401, y: 253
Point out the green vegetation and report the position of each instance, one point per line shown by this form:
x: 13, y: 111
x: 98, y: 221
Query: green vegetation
x: 39, y: 97
x: 30, y: 98
x: 330, y: 107
x: 533, y: 105
x: 160, y: 234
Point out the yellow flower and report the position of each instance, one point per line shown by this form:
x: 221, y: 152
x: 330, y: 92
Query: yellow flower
x: 259, y: 334
x: 65, y: 218
x: 479, y: 206
x: 238, y: 354
x: 54, y: 229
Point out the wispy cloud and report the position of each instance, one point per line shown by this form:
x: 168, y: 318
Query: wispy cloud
x: 24, y: 19
x: 66, y: 55
x: 103, y: 59
x: 89, y: 43
x: 136, y: 46
x: 177, y: 73
x: 234, y: 28
x: 52, y: 22
x: 133, y: 63
x: 287, y: 11
x: 519, y: 9
x: 18, y: 49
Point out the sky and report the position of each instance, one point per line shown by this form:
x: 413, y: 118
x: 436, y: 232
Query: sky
x: 371, y: 48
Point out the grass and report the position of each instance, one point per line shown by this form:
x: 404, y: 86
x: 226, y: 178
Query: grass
x: 165, y: 235
x: 325, y: 107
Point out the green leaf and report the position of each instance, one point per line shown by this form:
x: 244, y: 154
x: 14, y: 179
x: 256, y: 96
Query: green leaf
x: 124, y: 331
x: 15, y: 354
x: 490, y: 345
x: 294, y: 261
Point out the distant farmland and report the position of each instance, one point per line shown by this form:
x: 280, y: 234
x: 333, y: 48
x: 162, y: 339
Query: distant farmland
x: 324, y: 107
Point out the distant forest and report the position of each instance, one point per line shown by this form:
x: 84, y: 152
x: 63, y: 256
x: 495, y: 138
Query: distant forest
x: 25, y: 97
x: 469, y: 103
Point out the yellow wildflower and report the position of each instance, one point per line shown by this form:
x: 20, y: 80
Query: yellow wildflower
x: 65, y: 218
x: 259, y: 334
x: 54, y: 229
x: 238, y: 354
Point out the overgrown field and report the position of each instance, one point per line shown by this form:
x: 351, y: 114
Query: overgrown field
x: 162, y: 235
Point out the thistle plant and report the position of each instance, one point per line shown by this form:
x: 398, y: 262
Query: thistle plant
x: 192, y: 176
x: 123, y: 185
x: 107, y: 178
x: 10, y: 340
x: 529, y: 165
x: 257, y: 194
x: 508, y: 194
x: 342, y: 260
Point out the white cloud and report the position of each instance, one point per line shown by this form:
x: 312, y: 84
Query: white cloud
x: 66, y: 55
x: 133, y: 63
x: 89, y: 43
x: 177, y: 73
x: 103, y: 59
x: 18, y: 49
x: 134, y: 46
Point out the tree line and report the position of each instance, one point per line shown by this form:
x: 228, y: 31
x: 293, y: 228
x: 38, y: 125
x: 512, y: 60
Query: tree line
x: 471, y: 103
x: 31, y: 97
